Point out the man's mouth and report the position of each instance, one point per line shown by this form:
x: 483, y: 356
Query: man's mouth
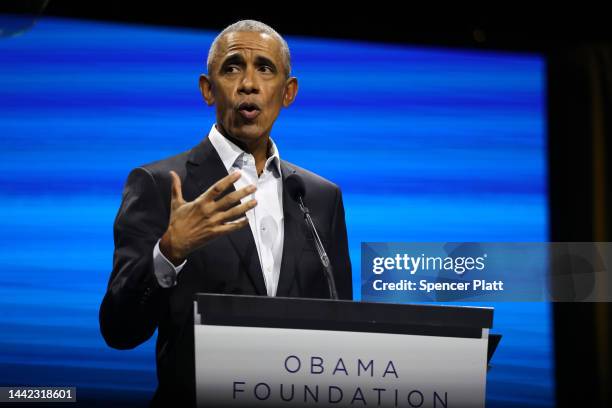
x: 248, y: 110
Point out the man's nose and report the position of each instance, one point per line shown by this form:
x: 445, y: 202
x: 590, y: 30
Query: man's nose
x: 249, y: 84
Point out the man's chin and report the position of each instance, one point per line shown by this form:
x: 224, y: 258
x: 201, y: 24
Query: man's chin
x: 248, y: 132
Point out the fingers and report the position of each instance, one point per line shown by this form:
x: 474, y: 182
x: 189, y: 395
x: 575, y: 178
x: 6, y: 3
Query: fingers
x: 176, y: 192
x: 237, y: 211
x: 234, y: 198
x: 232, y: 226
x: 220, y: 186
x: 232, y: 220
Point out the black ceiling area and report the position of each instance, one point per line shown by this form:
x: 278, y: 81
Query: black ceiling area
x: 510, y: 29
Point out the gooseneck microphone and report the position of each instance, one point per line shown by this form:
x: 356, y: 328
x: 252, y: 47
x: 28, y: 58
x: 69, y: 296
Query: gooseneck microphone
x: 297, y: 191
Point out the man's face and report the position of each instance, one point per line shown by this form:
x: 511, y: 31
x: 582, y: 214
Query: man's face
x: 248, y: 84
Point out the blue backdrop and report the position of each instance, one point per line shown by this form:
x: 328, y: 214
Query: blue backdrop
x: 427, y: 144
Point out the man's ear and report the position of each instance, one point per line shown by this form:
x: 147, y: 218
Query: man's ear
x: 206, y: 88
x: 291, y: 89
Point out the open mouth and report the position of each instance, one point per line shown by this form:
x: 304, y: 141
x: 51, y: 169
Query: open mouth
x: 248, y: 110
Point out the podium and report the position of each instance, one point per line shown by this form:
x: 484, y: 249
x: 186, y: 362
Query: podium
x: 256, y: 351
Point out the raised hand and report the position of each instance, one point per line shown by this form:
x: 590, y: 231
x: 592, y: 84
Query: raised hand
x: 193, y: 224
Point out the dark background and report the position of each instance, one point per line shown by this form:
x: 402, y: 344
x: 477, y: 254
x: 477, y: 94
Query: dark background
x: 577, y: 44
x: 504, y: 27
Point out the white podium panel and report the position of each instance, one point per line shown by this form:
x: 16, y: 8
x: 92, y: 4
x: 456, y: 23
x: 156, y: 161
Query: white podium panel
x: 252, y: 366
x: 275, y: 362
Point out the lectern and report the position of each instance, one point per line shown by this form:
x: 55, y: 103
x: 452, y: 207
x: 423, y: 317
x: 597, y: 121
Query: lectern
x: 256, y: 351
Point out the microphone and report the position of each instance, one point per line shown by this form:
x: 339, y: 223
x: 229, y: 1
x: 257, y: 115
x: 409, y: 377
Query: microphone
x: 297, y: 190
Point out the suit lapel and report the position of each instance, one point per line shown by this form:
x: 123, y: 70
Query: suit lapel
x: 294, y: 239
x: 204, y: 168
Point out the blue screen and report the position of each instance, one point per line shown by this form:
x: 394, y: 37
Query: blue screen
x: 427, y: 144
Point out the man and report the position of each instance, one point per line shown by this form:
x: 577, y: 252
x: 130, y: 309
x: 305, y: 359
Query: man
x: 218, y: 217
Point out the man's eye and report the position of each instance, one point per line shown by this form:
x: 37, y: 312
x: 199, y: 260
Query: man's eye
x: 231, y: 69
x: 266, y: 68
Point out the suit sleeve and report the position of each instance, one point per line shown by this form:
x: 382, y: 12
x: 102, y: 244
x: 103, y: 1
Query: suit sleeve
x: 130, y: 310
x: 340, y: 259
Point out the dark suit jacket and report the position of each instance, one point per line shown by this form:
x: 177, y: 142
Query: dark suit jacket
x: 135, y: 305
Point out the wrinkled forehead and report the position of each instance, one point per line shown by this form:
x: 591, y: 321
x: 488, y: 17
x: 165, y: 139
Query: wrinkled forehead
x: 256, y: 43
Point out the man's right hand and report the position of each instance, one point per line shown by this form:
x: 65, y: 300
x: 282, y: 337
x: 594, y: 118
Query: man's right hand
x: 193, y: 224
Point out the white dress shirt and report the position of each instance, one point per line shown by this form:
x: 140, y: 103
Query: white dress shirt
x: 265, y: 220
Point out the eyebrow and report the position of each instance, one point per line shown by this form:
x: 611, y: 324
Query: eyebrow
x: 260, y: 60
x: 233, y: 59
x: 238, y: 59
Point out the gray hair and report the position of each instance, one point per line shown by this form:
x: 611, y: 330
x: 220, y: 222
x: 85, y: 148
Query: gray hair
x: 251, y: 26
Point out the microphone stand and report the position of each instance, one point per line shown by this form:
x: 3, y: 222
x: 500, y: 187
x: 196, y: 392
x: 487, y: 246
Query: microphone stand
x: 327, y: 268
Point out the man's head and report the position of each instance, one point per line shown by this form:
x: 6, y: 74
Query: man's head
x: 249, y: 80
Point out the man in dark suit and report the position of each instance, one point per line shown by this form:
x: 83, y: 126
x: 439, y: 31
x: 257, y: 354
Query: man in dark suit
x: 218, y: 217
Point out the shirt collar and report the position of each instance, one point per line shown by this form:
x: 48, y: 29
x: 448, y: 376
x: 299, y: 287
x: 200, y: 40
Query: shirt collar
x: 230, y: 153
